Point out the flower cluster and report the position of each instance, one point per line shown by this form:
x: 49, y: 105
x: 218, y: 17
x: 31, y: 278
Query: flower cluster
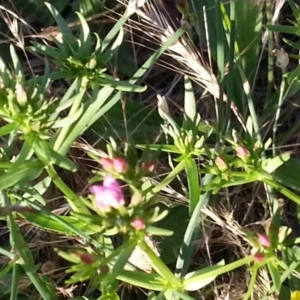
x: 109, y: 196
x: 264, y: 243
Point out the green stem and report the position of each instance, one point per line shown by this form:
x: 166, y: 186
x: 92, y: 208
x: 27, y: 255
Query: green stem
x: 251, y: 284
x: 283, y: 190
x: 160, y: 267
x: 72, y: 198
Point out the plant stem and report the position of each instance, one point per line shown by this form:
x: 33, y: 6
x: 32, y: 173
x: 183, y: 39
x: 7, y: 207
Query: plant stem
x: 71, y: 197
x: 283, y: 190
x: 160, y: 266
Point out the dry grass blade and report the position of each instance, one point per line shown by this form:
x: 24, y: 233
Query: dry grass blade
x: 157, y: 24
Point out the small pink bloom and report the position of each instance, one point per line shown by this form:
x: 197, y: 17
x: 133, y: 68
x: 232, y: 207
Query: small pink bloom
x: 148, y: 166
x: 87, y: 258
x: 220, y: 163
x: 242, y: 152
x: 107, y: 163
x: 120, y: 165
x: 259, y: 257
x: 264, y: 241
x: 138, y: 224
x: 109, y: 195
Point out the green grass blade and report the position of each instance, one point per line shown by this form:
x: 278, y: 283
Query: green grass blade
x: 61, y: 23
x: 192, y: 233
x: 17, y: 242
x: 15, y: 282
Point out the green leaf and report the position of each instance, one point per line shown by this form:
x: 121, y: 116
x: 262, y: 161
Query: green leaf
x: 16, y: 62
x: 85, y: 49
x: 115, y: 30
x: 106, y: 80
x: 8, y: 128
x: 270, y: 165
x: 192, y: 233
x: 208, y: 275
x: 275, y: 274
x: 43, y: 221
x: 17, y: 242
x: 67, y: 121
x: 151, y: 282
x: 61, y: 23
x: 192, y: 174
x: 195, y: 280
x: 58, y: 219
x: 48, y: 155
x: 91, y: 109
x: 284, y: 29
x: 10, y: 179
x: 289, y: 174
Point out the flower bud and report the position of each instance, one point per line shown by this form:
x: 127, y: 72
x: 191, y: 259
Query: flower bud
x: 104, y: 269
x: 220, y: 163
x: 136, y: 198
x: 107, y: 163
x: 264, y: 240
x: 242, y: 152
x: 259, y: 257
x: 21, y: 95
x: 120, y: 165
x: 148, y: 166
x: 86, y: 258
x: 138, y: 224
x: 162, y: 105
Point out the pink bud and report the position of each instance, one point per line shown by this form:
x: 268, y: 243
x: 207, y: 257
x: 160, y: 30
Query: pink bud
x: 148, y: 166
x: 264, y: 241
x: 138, y: 223
x: 86, y: 258
x: 242, y: 152
x: 220, y: 163
x: 259, y: 257
x: 109, y: 195
x: 107, y: 163
x: 120, y: 165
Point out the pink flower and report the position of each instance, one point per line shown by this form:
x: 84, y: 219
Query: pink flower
x: 138, y: 223
x: 242, y: 152
x: 220, y: 163
x: 259, y: 257
x: 108, y: 195
x: 120, y: 165
x: 264, y: 241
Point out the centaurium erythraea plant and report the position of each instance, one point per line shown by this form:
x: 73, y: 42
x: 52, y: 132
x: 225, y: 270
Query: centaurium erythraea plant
x: 109, y: 195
